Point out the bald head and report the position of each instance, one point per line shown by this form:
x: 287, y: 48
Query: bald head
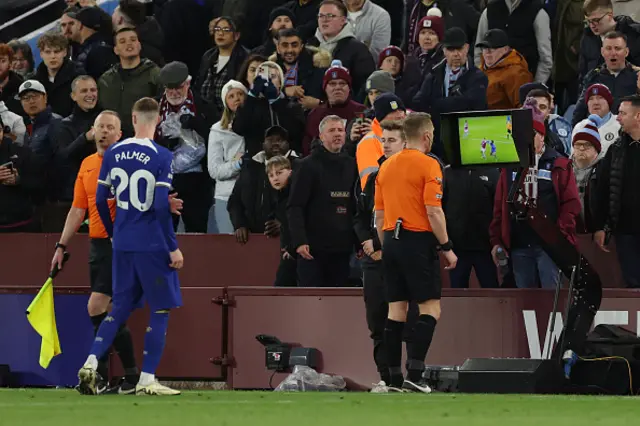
x: 107, y: 130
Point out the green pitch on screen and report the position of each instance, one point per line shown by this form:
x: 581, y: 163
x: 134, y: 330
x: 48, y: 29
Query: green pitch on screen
x: 489, y: 128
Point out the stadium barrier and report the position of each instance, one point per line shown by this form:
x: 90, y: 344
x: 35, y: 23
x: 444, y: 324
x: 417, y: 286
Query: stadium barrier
x: 214, y: 339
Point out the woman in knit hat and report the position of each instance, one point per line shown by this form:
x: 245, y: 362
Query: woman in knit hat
x: 586, y: 150
x: 428, y: 37
x: 226, y: 151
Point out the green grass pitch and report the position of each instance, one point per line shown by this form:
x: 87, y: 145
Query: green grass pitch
x: 492, y: 128
x: 230, y: 408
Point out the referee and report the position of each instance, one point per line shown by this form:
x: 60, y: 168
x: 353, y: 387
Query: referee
x: 412, y: 228
x: 107, y: 132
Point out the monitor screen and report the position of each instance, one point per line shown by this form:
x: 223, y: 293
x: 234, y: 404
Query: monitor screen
x: 501, y: 138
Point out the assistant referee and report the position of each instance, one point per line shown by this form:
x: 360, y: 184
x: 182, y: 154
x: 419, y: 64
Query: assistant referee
x: 107, y: 132
x: 412, y: 228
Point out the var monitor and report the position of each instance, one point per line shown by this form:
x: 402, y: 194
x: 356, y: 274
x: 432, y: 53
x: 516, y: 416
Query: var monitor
x: 497, y: 138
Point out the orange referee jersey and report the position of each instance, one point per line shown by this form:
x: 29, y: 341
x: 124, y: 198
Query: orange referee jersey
x: 84, y: 195
x: 406, y: 183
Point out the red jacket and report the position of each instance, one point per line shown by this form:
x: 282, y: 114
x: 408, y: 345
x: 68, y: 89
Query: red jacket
x: 569, y: 207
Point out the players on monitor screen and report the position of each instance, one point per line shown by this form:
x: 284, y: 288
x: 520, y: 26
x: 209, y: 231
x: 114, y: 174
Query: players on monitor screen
x: 466, y: 128
x: 492, y: 146
x: 509, y: 126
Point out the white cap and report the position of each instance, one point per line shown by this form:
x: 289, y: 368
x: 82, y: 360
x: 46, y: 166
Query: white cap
x: 31, y: 86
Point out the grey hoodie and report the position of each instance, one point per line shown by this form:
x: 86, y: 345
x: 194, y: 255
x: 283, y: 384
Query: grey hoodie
x: 330, y: 45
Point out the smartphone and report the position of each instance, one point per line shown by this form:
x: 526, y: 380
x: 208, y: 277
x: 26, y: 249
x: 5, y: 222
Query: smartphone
x: 360, y: 118
x: 8, y: 165
x: 264, y: 73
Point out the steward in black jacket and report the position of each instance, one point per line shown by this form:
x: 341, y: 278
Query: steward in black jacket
x: 321, y: 209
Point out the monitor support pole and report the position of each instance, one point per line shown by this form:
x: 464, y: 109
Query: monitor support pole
x: 586, y: 292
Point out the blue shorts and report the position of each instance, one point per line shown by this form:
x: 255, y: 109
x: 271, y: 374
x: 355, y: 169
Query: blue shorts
x: 148, y: 276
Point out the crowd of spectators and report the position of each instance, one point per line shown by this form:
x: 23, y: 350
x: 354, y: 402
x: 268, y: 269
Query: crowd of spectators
x: 255, y: 94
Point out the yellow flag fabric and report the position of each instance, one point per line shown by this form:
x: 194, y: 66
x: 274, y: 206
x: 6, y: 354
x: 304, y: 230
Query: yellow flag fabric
x: 42, y: 317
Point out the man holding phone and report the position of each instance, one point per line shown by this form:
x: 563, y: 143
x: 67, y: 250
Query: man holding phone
x: 16, y: 207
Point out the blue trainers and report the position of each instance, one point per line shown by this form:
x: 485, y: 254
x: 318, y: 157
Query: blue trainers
x: 570, y: 358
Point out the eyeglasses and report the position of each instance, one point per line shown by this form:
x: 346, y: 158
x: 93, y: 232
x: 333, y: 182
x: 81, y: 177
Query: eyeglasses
x: 30, y: 97
x: 222, y: 30
x: 596, y: 21
x: 326, y: 16
x: 583, y: 146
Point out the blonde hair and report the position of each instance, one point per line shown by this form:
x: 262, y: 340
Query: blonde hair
x: 277, y: 163
x: 227, y: 118
x: 147, y: 109
x: 415, y: 124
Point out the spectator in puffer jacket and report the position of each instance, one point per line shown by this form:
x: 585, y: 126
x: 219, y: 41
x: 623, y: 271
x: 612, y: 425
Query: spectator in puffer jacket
x: 225, y: 157
x: 600, y: 21
x: 505, y: 68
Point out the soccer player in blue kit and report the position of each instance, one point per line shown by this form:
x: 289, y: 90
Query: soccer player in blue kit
x: 145, y: 250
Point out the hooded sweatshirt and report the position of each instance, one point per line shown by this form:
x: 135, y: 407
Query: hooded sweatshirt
x: 330, y: 44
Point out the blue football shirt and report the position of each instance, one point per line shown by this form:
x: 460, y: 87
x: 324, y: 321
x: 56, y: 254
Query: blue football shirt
x: 138, y: 172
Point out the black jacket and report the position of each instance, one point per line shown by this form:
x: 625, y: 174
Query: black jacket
x: 312, y: 64
x: 618, y: 206
x: 468, y: 94
x: 306, y: 16
x: 409, y: 80
x: 58, y: 92
x: 355, y: 57
x: 590, y: 56
x: 95, y: 56
x: 253, y: 201
x: 16, y: 203
x: 322, y: 203
x: 9, y: 92
x: 152, y: 40
x: 625, y: 84
x: 256, y: 115
x: 42, y: 146
x: 72, y: 147
x: 282, y: 199
x: 468, y: 205
x: 363, y: 221
x: 185, y: 24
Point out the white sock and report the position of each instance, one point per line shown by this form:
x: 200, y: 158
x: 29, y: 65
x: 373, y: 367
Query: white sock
x: 92, y: 361
x: 146, y: 379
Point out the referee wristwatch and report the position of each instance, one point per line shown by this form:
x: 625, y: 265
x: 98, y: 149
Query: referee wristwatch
x: 448, y: 246
x: 61, y: 246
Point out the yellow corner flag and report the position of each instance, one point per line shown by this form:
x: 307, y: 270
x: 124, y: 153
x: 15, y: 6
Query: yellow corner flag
x: 42, y: 317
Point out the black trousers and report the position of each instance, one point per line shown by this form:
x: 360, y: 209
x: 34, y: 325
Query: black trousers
x: 287, y: 274
x: 377, y: 311
x: 481, y: 262
x: 194, y: 189
x: 327, y: 269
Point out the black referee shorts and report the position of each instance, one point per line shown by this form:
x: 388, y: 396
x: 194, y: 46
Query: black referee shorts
x: 100, y: 253
x: 411, y: 267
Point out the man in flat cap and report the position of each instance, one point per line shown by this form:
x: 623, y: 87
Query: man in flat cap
x: 183, y: 129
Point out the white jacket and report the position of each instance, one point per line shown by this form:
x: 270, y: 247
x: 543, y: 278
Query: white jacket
x: 14, y: 122
x: 373, y: 28
x: 223, y: 146
x: 608, y: 133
